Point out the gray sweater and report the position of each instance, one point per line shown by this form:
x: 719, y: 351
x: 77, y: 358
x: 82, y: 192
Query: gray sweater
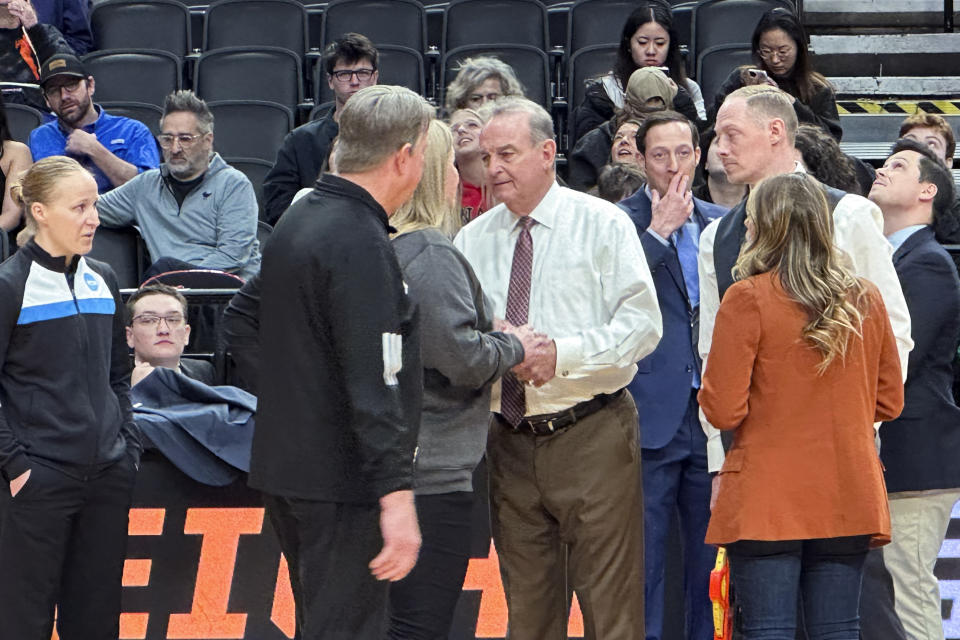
x: 215, y: 228
x: 462, y: 358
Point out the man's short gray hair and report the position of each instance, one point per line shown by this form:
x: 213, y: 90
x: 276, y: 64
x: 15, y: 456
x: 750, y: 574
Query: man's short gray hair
x: 766, y: 103
x: 186, y: 100
x: 375, y: 123
x: 541, y: 124
x: 472, y: 72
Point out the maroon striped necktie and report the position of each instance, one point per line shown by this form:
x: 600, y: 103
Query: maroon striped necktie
x: 513, y: 403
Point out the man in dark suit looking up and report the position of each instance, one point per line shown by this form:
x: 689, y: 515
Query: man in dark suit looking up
x: 669, y: 221
x: 920, y: 448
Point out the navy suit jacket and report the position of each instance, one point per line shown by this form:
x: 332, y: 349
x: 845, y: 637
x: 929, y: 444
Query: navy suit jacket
x: 920, y: 449
x: 661, y: 387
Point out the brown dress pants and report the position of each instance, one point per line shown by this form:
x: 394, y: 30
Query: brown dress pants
x: 580, y: 487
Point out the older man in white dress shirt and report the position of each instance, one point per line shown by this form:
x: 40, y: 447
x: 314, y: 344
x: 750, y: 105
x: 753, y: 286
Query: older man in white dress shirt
x: 563, y: 451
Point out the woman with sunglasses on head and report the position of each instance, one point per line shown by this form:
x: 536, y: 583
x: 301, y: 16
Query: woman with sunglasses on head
x: 780, y: 53
x: 69, y: 449
x: 803, y: 362
x: 462, y: 358
x: 648, y: 39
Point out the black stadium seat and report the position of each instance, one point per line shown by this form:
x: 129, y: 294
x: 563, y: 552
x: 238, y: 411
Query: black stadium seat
x: 395, y: 22
x: 271, y: 74
x: 401, y: 66
x: 148, y: 114
x: 134, y: 75
x: 124, y: 251
x: 487, y: 22
x: 142, y: 24
x: 256, y: 23
x: 249, y: 128
x: 716, y: 63
x: 587, y: 63
x: 593, y: 22
x: 531, y: 65
x: 21, y: 120
x: 728, y: 21
x: 256, y: 170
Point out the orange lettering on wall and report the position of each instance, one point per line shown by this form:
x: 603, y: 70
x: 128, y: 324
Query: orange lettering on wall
x: 283, y: 613
x: 483, y: 574
x: 221, y: 530
x: 136, y: 571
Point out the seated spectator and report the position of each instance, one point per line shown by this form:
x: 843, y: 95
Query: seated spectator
x: 648, y: 90
x: 821, y: 156
x: 715, y: 187
x: 158, y: 332
x: 648, y: 39
x: 780, y: 52
x: 70, y: 17
x: 25, y: 43
x: 481, y: 80
x: 15, y: 158
x: 465, y: 124
x: 113, y: 148
x: 619, y: 180
x: 351, y: 64
x: 624, y: 149
x: 933, y: 131
x: 195, y: 211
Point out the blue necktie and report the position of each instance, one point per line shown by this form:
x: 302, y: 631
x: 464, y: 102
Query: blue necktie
x: 685, y: 240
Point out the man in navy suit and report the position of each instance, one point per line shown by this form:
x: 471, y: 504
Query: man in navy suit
x: 674, y: 448
x: 920, y: 449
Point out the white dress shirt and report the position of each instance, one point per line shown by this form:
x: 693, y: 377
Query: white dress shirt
x: 591, y: 291
x: 857, y: 230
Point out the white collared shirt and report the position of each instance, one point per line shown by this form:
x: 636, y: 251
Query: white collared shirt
x: 591, y: 291
x: 897, y: 238
x: 857, y: 230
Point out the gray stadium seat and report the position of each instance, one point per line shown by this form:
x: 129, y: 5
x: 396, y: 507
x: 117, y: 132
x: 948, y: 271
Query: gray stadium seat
x: 270, y: 74
x: 22, y: 120
x: 486, y: 22
x: 715, y: 64
x: 394, y: 22
x: 142, y: 24
x: 256, y: 23
x: 148, y: 114
x: 249, y: 128
x: 134, y: 75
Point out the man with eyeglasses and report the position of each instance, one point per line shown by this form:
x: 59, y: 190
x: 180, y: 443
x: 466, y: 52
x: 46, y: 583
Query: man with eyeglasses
x: 158, y: 333
x: 113, y: 148
x: 195, y: 211
x: 350, y: 63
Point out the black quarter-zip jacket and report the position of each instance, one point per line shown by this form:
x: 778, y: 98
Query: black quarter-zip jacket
x: 64, y: 366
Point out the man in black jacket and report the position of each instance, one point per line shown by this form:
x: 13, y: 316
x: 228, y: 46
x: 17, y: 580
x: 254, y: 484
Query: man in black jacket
x: 351, y: 64
x: 920, y: 448
x: 340, y: 375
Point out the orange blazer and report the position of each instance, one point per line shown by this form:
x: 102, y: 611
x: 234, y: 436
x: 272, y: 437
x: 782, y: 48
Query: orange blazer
x: 803, y: 463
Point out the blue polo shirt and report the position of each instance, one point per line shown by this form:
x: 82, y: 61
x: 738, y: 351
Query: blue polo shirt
x: 128, y: 139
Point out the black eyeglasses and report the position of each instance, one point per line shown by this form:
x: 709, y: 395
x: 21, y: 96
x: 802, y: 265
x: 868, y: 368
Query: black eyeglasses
x: 344, y: 75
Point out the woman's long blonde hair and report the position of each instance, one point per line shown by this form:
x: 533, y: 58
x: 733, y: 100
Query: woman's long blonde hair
x: 793, y: 237
x: 428, y: 207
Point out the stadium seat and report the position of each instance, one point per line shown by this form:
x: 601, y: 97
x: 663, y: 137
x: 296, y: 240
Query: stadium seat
x: 586, y: 63
x: 148, y: 114
x: 394, y: 22
x: 264, y: 231
x: 271, y: 74
x: 249, y: 128
x: 256, y: 23
x: 124, y: 251
x: 256, y: 170
x: 21, y: 120
x: 715, y: 64
x: 134, y: 75
x: 682, y: 25
x: 530, y: 63
x: 401, y: 66
x: 142, y: 24
x: 490, y: 22
x: 728, y: 21
x: 593, y: 22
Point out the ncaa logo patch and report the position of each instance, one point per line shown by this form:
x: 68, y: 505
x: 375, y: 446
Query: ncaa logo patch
x: 91, y: 282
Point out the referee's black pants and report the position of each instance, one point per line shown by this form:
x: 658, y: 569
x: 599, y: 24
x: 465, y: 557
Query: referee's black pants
x: 63, y: 542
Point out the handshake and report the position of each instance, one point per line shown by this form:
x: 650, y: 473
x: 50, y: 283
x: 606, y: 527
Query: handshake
x: 539, y: 364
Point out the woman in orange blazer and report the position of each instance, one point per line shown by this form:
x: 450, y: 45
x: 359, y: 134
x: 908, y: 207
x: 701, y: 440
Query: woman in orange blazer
x: 803, y: 363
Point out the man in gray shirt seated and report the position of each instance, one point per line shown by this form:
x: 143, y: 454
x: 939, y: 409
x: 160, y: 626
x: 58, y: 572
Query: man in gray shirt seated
x: 195, y: 211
